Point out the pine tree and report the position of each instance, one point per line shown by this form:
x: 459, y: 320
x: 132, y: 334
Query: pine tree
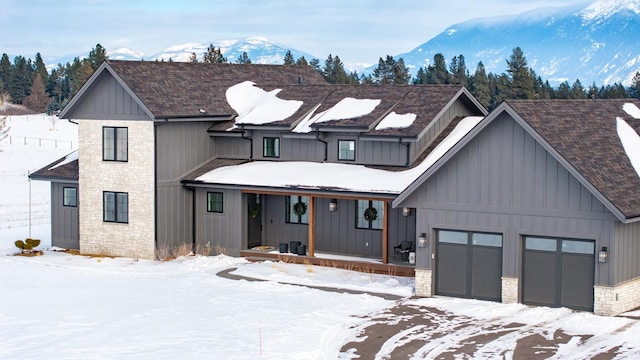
x: 437, y: 73
x: 401, y: 73
x: 5, y: 72
x: 244, y: 58
x: 193, y: 58
x: 563, y: 91
x: 37, y: 100
x: 213, y: 56
x: 333, y: 70
x: 315, y: 63
x: 288, y: 58
x: 79, y: 72
x: 634, y: 89
x: 41, y: 68
x: 459, y: 72
x: 302, y: 61
x: 19, y: 80
x: 577, y: 91
x: 479, y: 85
x: 520, y: 76
x: 96, y: 56
x: 390, y: 71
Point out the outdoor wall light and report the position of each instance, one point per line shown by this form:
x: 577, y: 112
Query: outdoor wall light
x: 333, y: 205
x: 422, y: 240
x: 406, y: 211
x: 603, y: 255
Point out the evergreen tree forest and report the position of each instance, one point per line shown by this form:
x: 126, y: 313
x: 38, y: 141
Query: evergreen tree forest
x: 27, y: 81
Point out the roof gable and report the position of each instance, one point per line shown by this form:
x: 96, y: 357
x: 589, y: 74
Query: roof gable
x: 581, y: 135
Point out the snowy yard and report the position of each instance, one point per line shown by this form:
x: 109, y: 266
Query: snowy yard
x: 61, y: 306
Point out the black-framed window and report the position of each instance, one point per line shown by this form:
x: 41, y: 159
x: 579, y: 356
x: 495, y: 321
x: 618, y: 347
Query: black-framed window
x: 347, y: 150
x: 215, y: 202
x: 369, y: 214
x: 116, y: 207
x: 115, y: 143
x: 70, y: 196
x: 271, y: 147
x: 296, y: 209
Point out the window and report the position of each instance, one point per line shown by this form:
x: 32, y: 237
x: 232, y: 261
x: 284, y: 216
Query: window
x: 70, y: 196
x: 347, y: 150
x: 116, y: 207
x: 114, y: 144
x: 271, y: 147
x: 214, y: 202
x: 296, y: 208
x: 369, y: 214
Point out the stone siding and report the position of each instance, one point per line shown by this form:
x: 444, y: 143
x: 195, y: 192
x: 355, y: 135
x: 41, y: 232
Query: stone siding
x: 509, y: 290
x: 135, y: 177
x: 614, y: 300
x: 424, y: 281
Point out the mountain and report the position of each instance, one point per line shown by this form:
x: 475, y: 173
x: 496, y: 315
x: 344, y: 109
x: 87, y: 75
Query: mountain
x: 597, y: 43
x: 259, y: 49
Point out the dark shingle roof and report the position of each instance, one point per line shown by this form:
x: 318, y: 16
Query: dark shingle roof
x: 584, y: 133
x: 68, y: 172
x: 176, y: 89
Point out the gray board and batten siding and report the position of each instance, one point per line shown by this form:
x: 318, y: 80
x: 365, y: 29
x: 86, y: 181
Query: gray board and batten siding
x: 65, y: 228
x: 503, y: 181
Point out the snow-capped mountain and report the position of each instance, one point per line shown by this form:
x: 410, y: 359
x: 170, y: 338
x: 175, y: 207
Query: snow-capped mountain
x: 259, y: 49
x: 597, y: 43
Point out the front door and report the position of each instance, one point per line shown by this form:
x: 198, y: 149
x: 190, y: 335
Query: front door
x: 254, y: 221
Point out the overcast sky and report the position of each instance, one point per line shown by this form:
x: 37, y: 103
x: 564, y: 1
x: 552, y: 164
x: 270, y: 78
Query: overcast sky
x: 356, y: 30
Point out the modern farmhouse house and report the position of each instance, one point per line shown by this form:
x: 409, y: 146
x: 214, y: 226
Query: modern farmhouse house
x: 534, y: 203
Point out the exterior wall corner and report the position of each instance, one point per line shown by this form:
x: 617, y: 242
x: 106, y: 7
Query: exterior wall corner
x: 614, y: 300
x: 424, y: 283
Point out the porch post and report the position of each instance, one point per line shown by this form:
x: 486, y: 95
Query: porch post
x: 312, y: 224
x: 385, y: 234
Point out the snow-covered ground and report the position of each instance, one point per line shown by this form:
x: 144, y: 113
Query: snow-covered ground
x: 61, y: 306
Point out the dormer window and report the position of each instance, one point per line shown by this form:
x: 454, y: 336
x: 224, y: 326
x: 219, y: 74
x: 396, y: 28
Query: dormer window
x: 347, y: 150
x: 271, y: 147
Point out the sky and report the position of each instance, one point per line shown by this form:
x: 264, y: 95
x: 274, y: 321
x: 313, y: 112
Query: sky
x: 359, y: 31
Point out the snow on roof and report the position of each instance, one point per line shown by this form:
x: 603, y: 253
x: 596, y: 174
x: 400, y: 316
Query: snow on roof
x: 632, y: 110
x: 257, y: 106
x: 630, y: 142
x: 335, y: 176
x: 347, y: 108
x: 395, y: 120
x: 69, y: 158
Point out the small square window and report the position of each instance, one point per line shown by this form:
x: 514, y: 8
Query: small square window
x: 347, y: 150
x: 215, y: 202
x: 115, y: 144
x: 70, y: 196
x: 115, y: 207
x: 271, y: 147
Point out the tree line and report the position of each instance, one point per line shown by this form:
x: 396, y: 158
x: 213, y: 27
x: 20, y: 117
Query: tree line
x: 27, y: 82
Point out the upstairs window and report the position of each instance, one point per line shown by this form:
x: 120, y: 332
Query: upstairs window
x: 296, y: 209
x: 347, y: 150
x: 215, y: 202
x: 115, y: 143
x: 369, y: 214
x: 116, y: 207
x: 70, y: 196
x: 271, y: 147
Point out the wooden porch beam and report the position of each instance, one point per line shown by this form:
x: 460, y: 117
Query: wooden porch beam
x: 312, y: 225
x: 327, y: 196
x: 385, y: 234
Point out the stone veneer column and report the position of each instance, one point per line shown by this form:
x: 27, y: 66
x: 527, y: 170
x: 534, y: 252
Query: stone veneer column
x: 423, y: 283
x: 614, y: 300
x: 135, y: 177
x: 509, y: 290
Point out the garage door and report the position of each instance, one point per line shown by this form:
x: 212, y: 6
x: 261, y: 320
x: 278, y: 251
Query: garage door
x: 558, y: 272
x: 469, y: 264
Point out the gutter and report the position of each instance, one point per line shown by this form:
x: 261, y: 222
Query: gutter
x: 326, y: 145
x: 250, y: 140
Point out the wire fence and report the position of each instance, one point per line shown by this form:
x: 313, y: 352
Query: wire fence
x: 25, y: 140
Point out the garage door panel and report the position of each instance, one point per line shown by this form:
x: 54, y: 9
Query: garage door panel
x: 486, y: 273
x: 539, y: 278
x: 577, y: 281
x: 452, y: 272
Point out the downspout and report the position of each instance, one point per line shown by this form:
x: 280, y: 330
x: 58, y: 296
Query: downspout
x: 326, y: 145
x: 250, y: 140
x: 408, y: 145
x: 155, y: 187
x: 193, y: 219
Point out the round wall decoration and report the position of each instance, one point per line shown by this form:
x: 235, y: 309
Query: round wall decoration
x: 300, y: 208
x: 370, y: 214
